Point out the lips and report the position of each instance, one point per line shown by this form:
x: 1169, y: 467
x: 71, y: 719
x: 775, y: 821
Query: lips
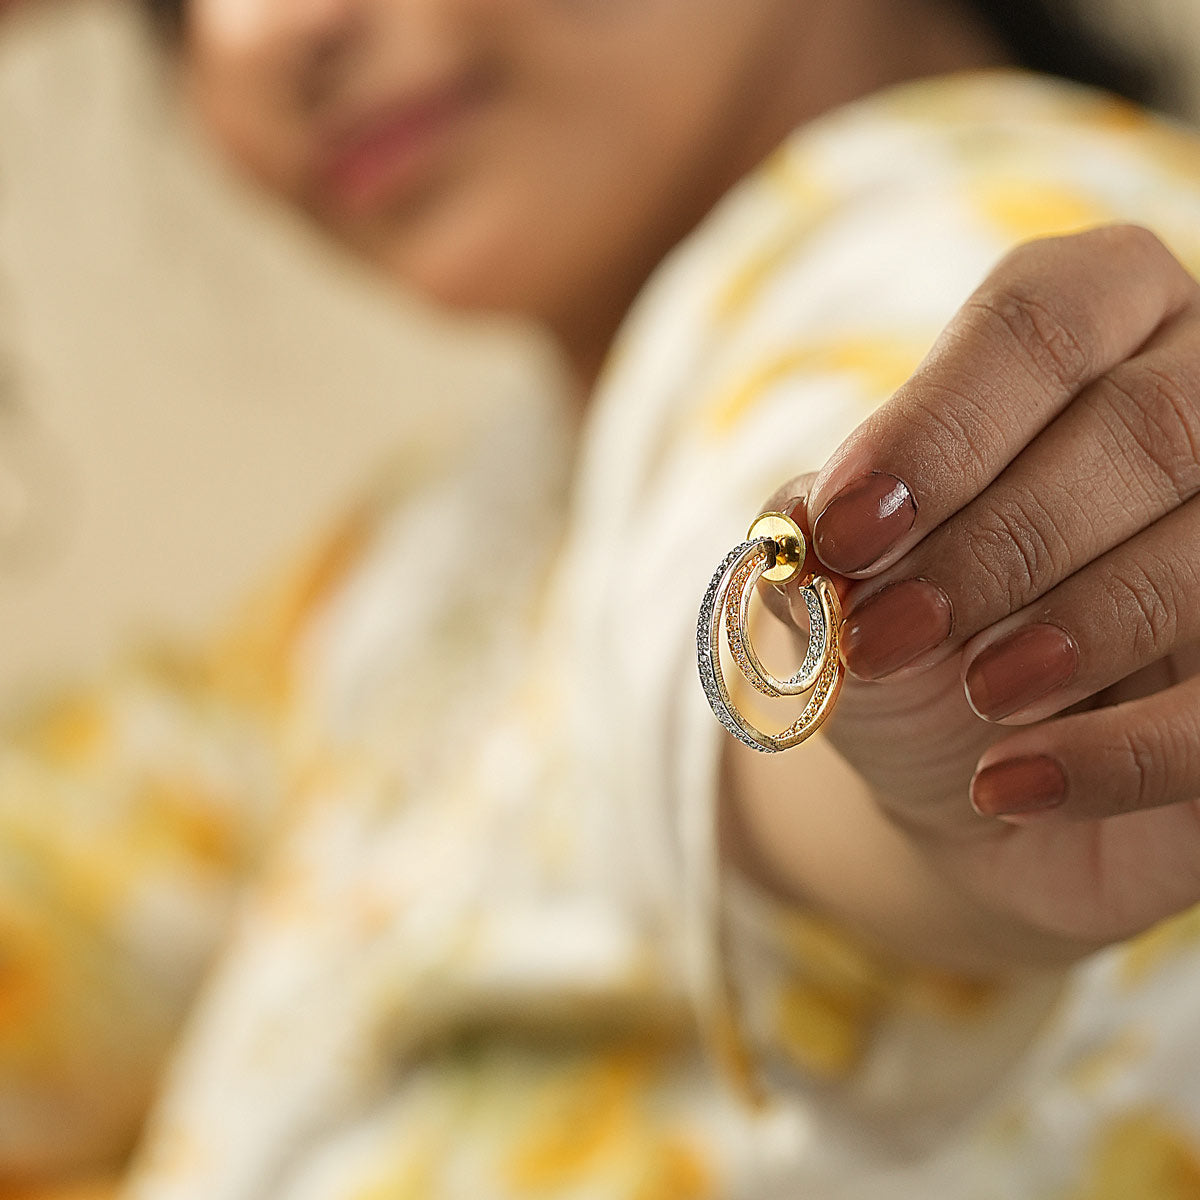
x: 385, y: 156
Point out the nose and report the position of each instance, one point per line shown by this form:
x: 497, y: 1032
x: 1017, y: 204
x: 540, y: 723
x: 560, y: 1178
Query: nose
x: 249, y: 26
x: 300, y: 44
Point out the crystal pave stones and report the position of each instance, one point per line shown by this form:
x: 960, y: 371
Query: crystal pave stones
x: 775, y: 551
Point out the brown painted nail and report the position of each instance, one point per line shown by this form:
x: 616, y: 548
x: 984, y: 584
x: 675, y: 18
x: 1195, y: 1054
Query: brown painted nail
x: 797, y: 509
x: 863, y: 522
x: 1019, y: 669
x: 1019, y: 787
x: 896, y: 626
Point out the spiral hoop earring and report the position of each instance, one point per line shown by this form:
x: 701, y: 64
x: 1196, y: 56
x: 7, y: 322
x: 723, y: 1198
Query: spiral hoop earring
x: 774, y: 550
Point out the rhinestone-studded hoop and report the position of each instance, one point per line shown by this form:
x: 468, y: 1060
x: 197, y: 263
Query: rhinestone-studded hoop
x: 775, y: 549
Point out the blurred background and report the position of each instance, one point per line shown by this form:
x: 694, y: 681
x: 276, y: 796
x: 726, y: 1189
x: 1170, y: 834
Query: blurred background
x: 189, y: 385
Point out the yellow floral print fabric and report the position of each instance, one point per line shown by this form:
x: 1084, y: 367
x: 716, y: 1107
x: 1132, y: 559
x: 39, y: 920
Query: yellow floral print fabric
x: 408, y: 889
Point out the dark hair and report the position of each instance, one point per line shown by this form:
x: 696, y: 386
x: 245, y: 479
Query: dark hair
x: 1041, y: 35
x: 168, y: 14
x: 1046, y: 36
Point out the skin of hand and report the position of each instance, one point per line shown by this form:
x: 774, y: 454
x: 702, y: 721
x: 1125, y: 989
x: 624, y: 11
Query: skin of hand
x: 1016, y: 536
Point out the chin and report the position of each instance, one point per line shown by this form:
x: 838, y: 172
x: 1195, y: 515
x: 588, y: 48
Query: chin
x: 493, y: 282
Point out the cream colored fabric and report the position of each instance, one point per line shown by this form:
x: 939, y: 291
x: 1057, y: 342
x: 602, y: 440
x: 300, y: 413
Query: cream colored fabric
x: 408, y: 887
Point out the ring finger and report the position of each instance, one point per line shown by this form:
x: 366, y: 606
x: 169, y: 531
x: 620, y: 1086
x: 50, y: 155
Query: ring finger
x: 1131, y: 608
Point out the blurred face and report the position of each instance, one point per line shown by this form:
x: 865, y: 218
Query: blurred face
x: 536, y: 156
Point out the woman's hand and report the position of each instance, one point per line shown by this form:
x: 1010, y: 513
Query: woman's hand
x: 1021, y: 524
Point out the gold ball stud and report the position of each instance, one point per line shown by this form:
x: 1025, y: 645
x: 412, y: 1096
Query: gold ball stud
x: 789, y: 543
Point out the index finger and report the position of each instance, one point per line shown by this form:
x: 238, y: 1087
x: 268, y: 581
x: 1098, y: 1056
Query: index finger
x: 1055, y: 316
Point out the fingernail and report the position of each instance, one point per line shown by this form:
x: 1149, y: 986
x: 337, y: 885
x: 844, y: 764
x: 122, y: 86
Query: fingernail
x: 797, y: 509
x: 1019, y: 787
x: 896, y: 626
x: 1019, y: 669
x: 863, y: 522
